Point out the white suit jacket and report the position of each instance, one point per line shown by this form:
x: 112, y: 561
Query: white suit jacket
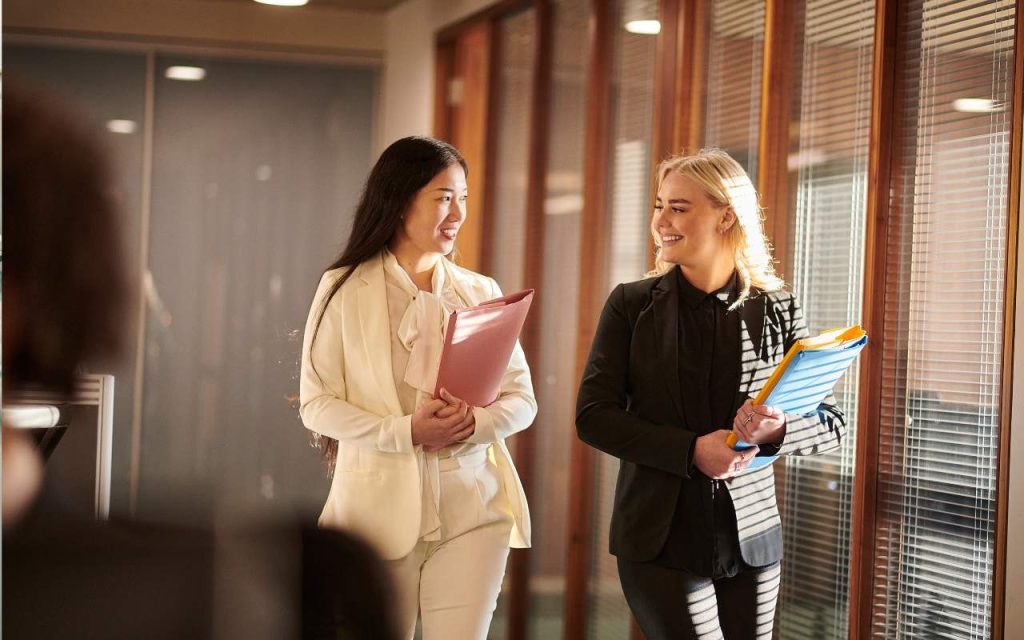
x: 376, y: 488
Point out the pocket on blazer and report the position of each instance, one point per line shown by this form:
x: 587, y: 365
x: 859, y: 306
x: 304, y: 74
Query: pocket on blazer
x: 356, y: 460
x: 350, y: 497
x: 348, y: 460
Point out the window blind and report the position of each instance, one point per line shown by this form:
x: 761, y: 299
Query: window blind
x: 516, y: 36
x: 631, y: 120
x: 516, y: 42
x: 946, y: 259
x: 554, y: 375
x: 735, y: 52
x: 828, y: 168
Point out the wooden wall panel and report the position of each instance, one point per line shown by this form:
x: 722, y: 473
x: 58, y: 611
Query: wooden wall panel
x: 518, y: 593
x: 470, y: 107
x: 772, y: 177
x: 594, y: 228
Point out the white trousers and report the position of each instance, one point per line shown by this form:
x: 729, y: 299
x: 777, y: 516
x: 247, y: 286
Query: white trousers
x: 452, y: 584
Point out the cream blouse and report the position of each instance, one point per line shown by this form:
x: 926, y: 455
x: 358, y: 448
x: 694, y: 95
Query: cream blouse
x: 418, y: 320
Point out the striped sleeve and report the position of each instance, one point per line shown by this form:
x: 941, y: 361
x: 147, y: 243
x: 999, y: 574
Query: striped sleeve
x: 823, y: 429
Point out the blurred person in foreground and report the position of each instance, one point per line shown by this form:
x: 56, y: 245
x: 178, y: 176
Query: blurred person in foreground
x: 64, y: 575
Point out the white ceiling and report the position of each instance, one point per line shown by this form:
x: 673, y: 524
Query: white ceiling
x: 376, y: 6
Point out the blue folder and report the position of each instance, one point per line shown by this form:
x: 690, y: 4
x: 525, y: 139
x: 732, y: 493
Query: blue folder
x: 806, y: 377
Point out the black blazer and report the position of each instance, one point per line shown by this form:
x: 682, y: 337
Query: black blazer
x: 630, y: 406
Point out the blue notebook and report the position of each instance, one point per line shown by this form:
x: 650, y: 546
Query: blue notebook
x: 805, y: 376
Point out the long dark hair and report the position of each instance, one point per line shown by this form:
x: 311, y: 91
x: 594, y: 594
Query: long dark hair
x: 402, y: 170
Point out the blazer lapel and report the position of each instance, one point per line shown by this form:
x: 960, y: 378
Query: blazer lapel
x: 375, y: 326
x: 665, y: 305
x: 752, y: 335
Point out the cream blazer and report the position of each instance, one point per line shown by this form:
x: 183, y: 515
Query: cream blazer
x: 376, y: 488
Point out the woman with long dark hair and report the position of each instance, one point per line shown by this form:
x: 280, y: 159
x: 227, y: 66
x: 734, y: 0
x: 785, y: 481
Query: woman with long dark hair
x: 675, y: 360
x: 429, y: 482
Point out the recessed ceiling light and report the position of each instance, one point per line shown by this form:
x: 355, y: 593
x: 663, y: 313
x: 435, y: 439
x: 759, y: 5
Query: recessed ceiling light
x: 977, y: 105
x: 644, y: 27
x: 284, y: 3
x: 185, y: 73
x: 121, y: 126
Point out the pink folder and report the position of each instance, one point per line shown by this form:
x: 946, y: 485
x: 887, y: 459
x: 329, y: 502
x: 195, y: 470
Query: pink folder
x: 478, y: 347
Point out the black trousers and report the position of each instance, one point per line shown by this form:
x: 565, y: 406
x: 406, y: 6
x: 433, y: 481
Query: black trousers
x: 672, y: 604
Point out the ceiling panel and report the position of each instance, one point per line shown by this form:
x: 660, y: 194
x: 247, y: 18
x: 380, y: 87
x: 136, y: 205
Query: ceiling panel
x: 377, y: 6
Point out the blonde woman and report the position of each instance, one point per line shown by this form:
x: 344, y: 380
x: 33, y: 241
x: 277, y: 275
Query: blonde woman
x: 675, y: 359
x: 428, y: 482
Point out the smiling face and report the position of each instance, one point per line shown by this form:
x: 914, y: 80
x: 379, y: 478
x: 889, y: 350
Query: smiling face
x: 689, y: 227
x: 437, y: 211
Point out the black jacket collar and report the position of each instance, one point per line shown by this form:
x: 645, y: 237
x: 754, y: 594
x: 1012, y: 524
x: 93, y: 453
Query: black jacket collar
x: 694, y: 297
x: 665, y: 297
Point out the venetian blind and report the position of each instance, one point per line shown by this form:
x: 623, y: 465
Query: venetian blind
x: 944, y: 313
x: 828, y: 160
x: 516, y: 39
x: 554, y: 375
x: 735, y: 51
x: 629, y: 162
x: 516, y: 36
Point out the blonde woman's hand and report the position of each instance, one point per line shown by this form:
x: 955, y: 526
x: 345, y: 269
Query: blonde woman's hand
x: 450, y: 421
x: 718, y: 460
x: 759, y: 424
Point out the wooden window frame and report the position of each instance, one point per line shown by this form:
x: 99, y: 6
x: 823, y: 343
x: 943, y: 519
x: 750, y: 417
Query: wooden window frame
x: 680, y: 88
x: 681, y: 74
x: 594, y: 225
x: 880, y: 150
x: 518, y: 591
x: 883, y: 176
x: 772, y: 177
x: 1009, y: 310
x: 519, y: 560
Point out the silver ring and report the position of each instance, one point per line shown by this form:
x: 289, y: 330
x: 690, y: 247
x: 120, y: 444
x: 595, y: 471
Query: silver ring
x: 750, y: 416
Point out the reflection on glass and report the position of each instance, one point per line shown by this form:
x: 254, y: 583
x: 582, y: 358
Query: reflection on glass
x: 186, y: 73
x: 103, y: 88
x: 256, y: 172
x: 644, y: 27
x: 125, y: 127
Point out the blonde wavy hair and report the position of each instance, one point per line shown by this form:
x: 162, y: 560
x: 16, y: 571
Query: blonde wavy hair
x: 726, y: 184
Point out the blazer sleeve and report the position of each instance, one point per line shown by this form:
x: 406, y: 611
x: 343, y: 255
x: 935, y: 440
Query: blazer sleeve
x: 602, y: 420
x: 823, y: 429
x: 516, y: 406
x: 323, y: 399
